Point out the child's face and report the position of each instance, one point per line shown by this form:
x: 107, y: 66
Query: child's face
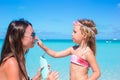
x: 76, y: 35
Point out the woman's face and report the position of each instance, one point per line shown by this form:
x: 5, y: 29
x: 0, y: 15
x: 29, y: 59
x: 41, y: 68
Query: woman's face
x: 29, y: 37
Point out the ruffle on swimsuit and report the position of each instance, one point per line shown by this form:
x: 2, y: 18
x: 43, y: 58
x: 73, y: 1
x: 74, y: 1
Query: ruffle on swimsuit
x: 79, y: 61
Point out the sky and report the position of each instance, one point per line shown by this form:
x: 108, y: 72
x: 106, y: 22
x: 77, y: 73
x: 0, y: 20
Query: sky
x: 53, y: 19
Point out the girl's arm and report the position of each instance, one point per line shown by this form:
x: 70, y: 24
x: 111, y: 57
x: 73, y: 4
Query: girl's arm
x: 54, y: 53
x: 95, y: 68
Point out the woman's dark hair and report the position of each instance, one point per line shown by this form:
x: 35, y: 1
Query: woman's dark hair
x: 13, y: 46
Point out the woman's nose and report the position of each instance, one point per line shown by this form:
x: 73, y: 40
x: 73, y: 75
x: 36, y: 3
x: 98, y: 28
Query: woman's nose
x: 35, y: 39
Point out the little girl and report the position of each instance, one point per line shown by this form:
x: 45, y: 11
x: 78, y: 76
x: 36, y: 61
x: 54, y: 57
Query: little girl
x: 83, y: 54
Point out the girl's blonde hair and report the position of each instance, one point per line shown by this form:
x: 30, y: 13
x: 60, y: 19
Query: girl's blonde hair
x: 88, y: 29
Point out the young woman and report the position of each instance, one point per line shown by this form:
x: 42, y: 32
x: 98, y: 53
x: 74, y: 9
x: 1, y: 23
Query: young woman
x: 19, y: 38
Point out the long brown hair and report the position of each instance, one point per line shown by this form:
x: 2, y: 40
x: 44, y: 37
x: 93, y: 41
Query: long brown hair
x: 13, y: 44
x: 92, y: 40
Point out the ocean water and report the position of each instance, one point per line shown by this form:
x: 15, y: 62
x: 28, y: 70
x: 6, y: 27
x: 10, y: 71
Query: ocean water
x: 108, y: 55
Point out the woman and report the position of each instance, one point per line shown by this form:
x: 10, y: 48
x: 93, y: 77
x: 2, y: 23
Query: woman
x: 19, y: 38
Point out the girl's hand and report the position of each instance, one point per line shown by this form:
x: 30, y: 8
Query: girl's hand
x: 39, y: 42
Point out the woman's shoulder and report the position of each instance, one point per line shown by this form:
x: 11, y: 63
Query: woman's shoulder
x: 11, y: 68
x: 11, y: 62
x: 11, y: 65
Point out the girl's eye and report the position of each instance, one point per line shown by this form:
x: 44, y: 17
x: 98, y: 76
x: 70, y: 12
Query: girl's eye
x: 74, y: 31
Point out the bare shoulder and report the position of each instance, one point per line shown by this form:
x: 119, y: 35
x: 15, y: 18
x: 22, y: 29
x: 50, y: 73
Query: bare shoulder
x: 73, y: 48
x: 11, y: 62
x: 11, y: 65
x: 11, y: 69
x: 89, y: 54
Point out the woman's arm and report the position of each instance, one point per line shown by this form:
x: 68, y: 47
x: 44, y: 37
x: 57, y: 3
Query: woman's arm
x: 51, y: 76
x: 95, y: 68
x: 54, y: 53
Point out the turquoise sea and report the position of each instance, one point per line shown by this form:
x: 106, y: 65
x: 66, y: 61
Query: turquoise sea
x: 108, y: 55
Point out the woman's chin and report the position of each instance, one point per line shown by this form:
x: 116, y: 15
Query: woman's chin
x: 32, y: 46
